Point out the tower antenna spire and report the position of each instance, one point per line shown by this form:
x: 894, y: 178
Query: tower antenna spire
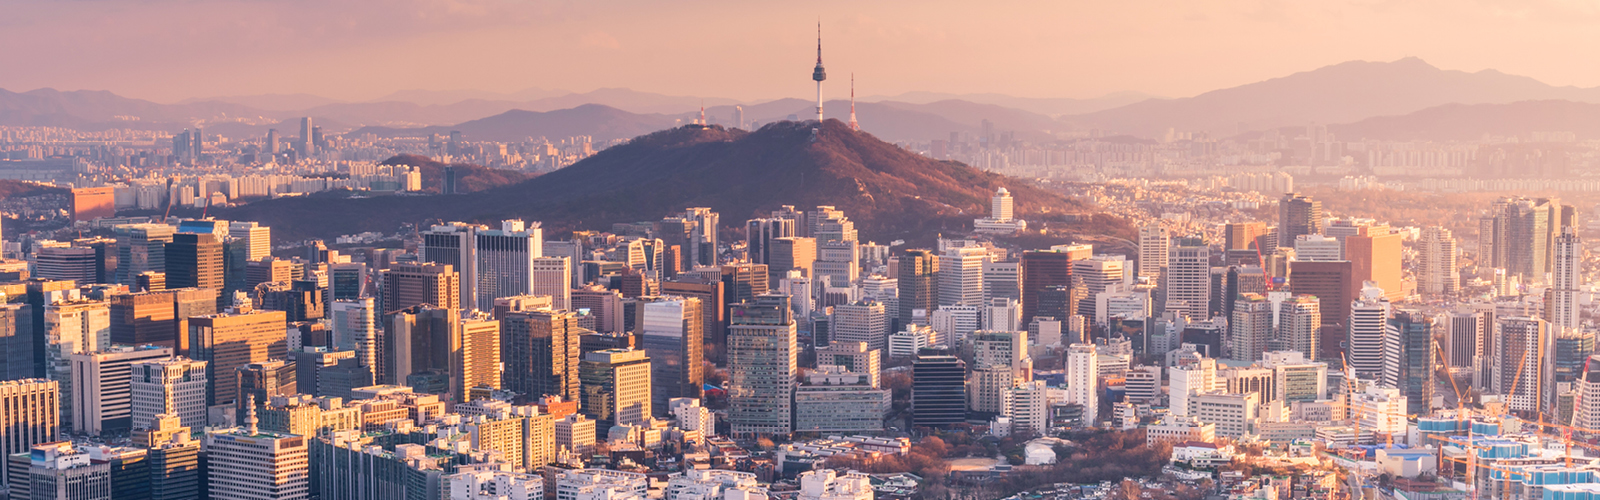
x: 819, y: 74
x: 853, y: 124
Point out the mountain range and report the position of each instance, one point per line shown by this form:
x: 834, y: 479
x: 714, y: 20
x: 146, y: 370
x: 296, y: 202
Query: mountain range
x: 1341, y: 94
x: 889, y: 192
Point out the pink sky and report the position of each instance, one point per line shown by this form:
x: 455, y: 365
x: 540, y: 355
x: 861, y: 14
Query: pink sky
x: 167, y: 50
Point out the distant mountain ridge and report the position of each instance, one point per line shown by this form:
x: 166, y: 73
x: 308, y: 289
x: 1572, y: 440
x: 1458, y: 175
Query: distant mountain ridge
x: 1340, y: 93
x: 889, y: 192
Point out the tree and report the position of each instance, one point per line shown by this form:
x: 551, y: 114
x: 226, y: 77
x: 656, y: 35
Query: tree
x: 1128, y: 490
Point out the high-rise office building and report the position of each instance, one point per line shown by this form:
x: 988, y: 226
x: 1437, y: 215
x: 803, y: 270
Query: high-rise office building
x: 453, y: 245
x: 1039, y: 270
x: 1518, y: 235
x: 741, y: 282
x: 1467, y: 337
x: 1000, y: 363
x: 247, y: 463
x: 1437, y: 274
x: 230, y: 340
x: 1566, y: 279
x: 355, y: 328
x: 960, y: 276
x: 1522, y: 346
x: 713, y: 310
x: 1298, y: 215
x: 1586, y: 414
x: 306, y: 147
x: 475, y: 356
x: 256, y: 239
x: 16, y: 338
x: 541, y: 352
x: 1187, y: 281
x: 173, y: 386
x: 759, y: 234
x: 194, y: 260
x: 865, y: 321
x: 938, y: 390
x: 1083, y: 379
x: 552, y: 276
x: 80, y: 264
x: 1376, y: 258
x: 1096, y: 275
x: 1411, y: 368
x: 1250, y: 328
x: 260, y: 382
x: 141, y: 248
x: 102, y: 394
x: 509, y: 262
x: 174, y: 458
x: 1369, y: 334
x: 704, y: 241
x: 616, y: 387
x: 790, y: 253
x: 1153, y: 253
x: 1330, y: 283
x: 1000, y: 281
x: 838, y: 262
x: 410, y: 285
x: 672, y: 334
x: 29, y: 415
x: 762, y: 366
x: 606, y: 307
x: 918, y: 282
x: 1242, y: 235
x: 855, y: 357
x: 1299, y: 320
x: 422, y: 340
x: 60, y: 471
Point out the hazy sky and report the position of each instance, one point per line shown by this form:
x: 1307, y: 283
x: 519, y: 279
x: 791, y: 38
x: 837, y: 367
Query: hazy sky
x: 167, y: 50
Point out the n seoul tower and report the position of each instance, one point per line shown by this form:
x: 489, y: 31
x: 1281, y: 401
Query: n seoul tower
x: 818, y: 74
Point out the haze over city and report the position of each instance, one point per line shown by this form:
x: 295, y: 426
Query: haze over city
x: 710, y: 250
x: 171, y: 50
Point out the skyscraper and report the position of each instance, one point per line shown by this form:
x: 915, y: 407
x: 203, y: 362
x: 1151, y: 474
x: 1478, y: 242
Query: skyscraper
x: 1413, y: 364
x: 1369, y: 331
x: 552, y: 276
x: 938, y: 390
x: 174, y: 386
x: 260, y: 382
x: 1298, y: 215
x: 1374, y: 256
x: 1153, y: 243
x: 29, y: 414
x: 762, y: 365
x: 101, y: 390
x: 355, y: 328
x: 1096, y: 275
x: 1187, y: 281
x: 67, y: 263
x: 256, y: 239
x: 919, y: 286
x: 1330, y: 283
x: 788, y: 254
x: 1250, y: 328
x: 306, y: 146
x: 247, y: 463
x: 616, y: 387
x: 1566, y: 279
x: 1437, y: 274
x: 1039, y: 270
x: 865, y: 321
x: 1242, y: 235
x: 541, y: 353
x: 961, y: 276
x: 1000, y: 362
x: 759, y: 234
x: 1522, y: 347
x: 475, y: 356
x: 229, y: 341
x: 141, y: 248
x: 672, y: 335
x: 1300, y: 325
x: 1083, y: 378
x: 454, y: 245
x: 410, y: 285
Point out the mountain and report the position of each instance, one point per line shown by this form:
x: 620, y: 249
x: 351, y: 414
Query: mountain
x: 896, y: 121
x: 1460, y: 122
x: 98, y: 108
x: 627, y: 99
x: 1052, y: 106
x: 469, y: 178
x: 1340, y: 93
x: 889, y: 192
x: 438, y: 97
x: 602, y: 122
x: 270, y: 102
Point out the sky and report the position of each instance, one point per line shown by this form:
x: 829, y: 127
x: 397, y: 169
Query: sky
x: 169, y: 50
